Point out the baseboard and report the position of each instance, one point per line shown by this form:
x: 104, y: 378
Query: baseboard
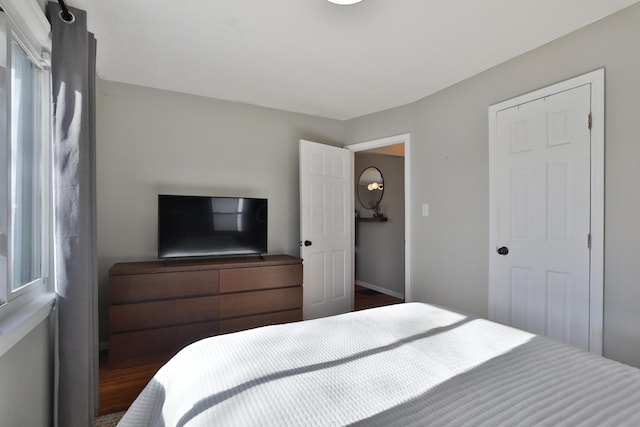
x: 380, y: 289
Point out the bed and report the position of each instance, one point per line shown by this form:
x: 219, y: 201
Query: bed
x: 406, y: 364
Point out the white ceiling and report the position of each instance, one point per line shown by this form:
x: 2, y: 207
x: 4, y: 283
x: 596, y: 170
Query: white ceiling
x: 314, y: 57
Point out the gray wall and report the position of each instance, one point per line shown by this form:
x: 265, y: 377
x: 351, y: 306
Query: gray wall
x: 380, y: 245
x: 449, y: 170
x: 26, y: 373
x: 151, y: 141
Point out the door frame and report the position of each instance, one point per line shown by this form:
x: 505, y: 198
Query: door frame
x: 596, y: 270
x: 405, y: 139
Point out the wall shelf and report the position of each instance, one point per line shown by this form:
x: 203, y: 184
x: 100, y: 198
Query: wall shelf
x: 383, y: 219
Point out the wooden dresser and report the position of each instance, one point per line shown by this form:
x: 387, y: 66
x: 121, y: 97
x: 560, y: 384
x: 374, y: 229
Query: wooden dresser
x: 156, y: 308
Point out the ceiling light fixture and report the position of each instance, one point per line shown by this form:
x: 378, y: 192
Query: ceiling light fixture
x: 344, y: 2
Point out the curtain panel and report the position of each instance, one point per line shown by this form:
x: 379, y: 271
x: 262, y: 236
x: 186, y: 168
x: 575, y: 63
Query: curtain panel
x: 73, y: 87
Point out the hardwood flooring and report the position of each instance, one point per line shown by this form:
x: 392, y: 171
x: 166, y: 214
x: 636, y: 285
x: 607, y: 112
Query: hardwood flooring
x: 119, y: 387
x: 368, y: 298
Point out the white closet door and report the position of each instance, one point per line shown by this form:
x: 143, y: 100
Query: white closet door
x: 541, y: 189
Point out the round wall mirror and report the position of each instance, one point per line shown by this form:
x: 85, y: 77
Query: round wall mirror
x: 370, y: 188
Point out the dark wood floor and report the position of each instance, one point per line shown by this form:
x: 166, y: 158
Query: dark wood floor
x: 368, y: 298
x: 119, y: 387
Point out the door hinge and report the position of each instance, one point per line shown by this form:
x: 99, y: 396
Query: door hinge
x: 589, y: 241
x: 589, y: 121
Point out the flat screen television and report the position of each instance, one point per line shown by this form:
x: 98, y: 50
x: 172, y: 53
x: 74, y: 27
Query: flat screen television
x: 203, y: 226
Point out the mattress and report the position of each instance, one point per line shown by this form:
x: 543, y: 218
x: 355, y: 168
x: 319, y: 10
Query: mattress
x: 407, y: 364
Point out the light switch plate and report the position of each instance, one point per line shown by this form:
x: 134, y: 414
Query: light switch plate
x: 425, y: 209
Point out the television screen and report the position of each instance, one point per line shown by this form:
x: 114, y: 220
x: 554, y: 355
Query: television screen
x: 191, y: 226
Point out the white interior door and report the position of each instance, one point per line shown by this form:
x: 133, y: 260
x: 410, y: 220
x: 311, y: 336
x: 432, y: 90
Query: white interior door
x: 326, y: 224
x: 540, y: 254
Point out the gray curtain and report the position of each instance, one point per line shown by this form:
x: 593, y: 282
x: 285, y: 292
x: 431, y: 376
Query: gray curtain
x: 73, y: 86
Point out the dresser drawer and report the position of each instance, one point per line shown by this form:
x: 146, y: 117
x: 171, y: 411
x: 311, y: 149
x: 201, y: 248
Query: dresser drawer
x: 162, y: 286
x: 145, y: 315
x: 248, y: 322
x: 158, y: 342
x: 156, y: 307
x: 259, y: 302
x: 247, y: 279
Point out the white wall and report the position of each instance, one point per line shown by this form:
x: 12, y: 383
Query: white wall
x: 449, y: 170
x: 380, y: 245
x: 151, y: 141
x: 26, y: 378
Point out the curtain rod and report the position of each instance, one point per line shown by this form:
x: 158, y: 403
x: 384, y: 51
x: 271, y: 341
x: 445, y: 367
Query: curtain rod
x: 65, y: 14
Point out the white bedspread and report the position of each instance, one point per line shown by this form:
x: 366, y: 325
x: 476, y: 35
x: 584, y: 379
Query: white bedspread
x: 408, y: 364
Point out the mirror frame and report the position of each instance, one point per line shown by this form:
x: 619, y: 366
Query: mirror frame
x: 372, y: 207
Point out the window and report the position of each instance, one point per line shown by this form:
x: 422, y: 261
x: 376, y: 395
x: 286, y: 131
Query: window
x: 26, y: 178
x: 25, y: 174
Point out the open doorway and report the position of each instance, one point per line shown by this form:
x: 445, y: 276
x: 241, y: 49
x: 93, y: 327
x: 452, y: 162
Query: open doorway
x: 381, y: 241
